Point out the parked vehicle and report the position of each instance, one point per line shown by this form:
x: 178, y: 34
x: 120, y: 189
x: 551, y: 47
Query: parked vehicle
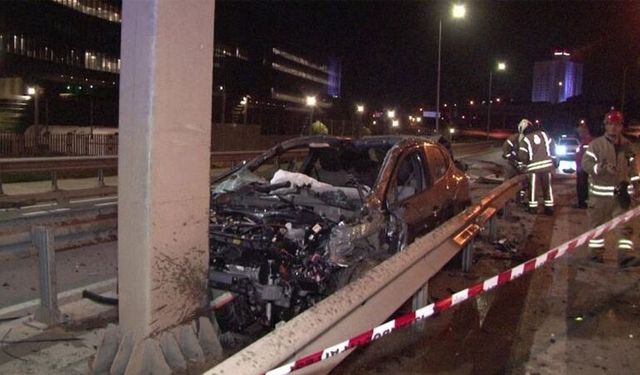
x: 566, y: 148
x: 300, y: 221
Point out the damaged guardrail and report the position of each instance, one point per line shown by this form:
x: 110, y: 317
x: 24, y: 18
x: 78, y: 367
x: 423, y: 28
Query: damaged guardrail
x: 371, y: 299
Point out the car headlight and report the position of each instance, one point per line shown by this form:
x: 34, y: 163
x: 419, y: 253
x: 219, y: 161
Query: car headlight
x: 561, y: 150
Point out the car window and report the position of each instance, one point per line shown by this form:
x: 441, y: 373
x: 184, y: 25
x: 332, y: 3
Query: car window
x: 409, y: 178
x: 569, y: 142
x: 438, y: 162
x: 290, y: 161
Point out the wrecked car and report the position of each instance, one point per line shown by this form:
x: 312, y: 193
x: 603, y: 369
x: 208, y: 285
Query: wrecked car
x: 298, y: 222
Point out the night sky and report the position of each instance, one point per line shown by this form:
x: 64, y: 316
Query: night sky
x: 389, y: 48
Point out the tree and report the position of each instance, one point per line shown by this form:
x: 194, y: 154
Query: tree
x: 318, y: 128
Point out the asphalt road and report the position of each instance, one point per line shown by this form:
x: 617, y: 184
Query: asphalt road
x: 569, y: 317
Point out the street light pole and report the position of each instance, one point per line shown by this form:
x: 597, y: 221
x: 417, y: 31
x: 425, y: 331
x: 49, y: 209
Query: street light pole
x: 458, y: 11
x: 438, y: 82
x: 311, y: 102
x: 360, y: 111
x: 489, y: 102
x: 34, y: 91
x: 501, y: 66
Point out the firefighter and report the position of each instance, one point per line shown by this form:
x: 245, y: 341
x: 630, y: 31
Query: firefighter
x: 582, y: 178
x: 510, y: 153
x: 611, y: 165
x: 537, y: 151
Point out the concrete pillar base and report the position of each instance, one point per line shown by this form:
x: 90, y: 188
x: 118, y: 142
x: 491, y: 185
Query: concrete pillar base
x: 119, y: 365
x: 147, y: 358
x: 107, y: 350
x: 208, y: 338
x: 188, y: 343
x: 183, y: 347
x: 172, y: 353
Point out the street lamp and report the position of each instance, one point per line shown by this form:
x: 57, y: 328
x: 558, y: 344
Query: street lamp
x: 391, y: 114
x: 34, y: 91
x: 245, y: 104
x: 311, y: 102
x: 224, y: 103
x: 360, y: 111
x: 501, y: 67
x: 458, y: 11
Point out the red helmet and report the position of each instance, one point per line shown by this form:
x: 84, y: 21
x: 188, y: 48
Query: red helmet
x: 614, y: 117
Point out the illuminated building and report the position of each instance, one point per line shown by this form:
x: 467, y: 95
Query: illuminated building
x: 556, y: 80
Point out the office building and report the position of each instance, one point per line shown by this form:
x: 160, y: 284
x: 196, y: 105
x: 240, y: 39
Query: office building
x: 556, y: 80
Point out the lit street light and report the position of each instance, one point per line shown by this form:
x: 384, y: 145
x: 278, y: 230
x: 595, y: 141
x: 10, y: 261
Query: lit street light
x: 360, y: 111
x: 34, y: 91
x: 458, y: 11
x: 224, y: 103
x: 391, y: 114
x: 245, y: 104
x: 395, y: 123
x: 311, y: 102
x: 501, y: 67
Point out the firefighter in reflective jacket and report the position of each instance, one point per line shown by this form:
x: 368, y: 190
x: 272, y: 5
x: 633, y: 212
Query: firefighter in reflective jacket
x: 612, y: 168
x: 537, y: 151
x: 510, y: 149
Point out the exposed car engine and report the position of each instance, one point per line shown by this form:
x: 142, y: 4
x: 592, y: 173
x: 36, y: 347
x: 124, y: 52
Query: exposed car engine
x: 271, y: 247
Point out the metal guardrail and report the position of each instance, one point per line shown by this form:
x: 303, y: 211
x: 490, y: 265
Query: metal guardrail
x: 71, y: 229
x: 58, y: 163
x: 54, y: 165
x: 371, y: 299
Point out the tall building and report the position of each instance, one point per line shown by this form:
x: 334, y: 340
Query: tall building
x: 63, y: 54
x: 556, y: 80
x: 60, y: 59
x: 269, y: 86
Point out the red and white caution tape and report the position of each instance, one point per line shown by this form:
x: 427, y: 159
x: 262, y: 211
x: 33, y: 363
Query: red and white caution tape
x: 454, y: 299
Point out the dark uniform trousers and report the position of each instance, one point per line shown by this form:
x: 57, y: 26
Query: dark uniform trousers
x: 582, y: 187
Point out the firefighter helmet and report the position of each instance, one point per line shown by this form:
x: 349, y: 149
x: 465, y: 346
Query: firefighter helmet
x: 523, y: 125
x: 614, y: 117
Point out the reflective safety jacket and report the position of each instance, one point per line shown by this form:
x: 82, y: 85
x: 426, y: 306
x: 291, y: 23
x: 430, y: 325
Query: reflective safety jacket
x: 537, y: 151
x: 609, y: 164
x: 510, y: 147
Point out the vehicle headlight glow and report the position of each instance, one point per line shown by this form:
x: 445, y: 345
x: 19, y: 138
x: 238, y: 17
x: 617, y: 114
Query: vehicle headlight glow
x: 561, y: 150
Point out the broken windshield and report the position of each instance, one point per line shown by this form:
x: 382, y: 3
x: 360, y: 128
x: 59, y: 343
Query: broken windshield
x: 319, y: 164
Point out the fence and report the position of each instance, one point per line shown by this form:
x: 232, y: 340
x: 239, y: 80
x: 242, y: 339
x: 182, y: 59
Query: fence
x: 32, y: 145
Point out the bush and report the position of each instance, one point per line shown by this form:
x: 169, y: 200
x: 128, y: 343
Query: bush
x: 318, y: 128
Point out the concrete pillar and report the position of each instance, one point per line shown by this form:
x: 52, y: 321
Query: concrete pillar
x: 163, y: 167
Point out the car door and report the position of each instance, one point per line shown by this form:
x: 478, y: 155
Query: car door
x: 405, y: 194
x: 440, y: 196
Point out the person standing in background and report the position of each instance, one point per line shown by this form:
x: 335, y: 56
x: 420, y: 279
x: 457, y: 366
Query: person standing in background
x: 582, y: 177
x: 537, y: 151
